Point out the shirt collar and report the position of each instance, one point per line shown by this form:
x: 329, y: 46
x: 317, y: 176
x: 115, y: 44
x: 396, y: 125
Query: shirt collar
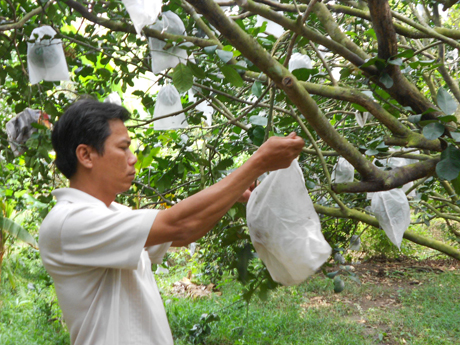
x: 75, y: 196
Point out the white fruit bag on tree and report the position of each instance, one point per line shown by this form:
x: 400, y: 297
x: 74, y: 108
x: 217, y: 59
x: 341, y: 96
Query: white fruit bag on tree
x: 168, y: 101
x: 113, y: 98
x: 361, y: 119
x: 272, y: 28
x: 392, y: 210
x: 19, y: 129
x: 143, y: 12
x: 299, y: 61
x: 45, y: 56
x: 343, y: 171
x: 285, y: 228
x: 171, y: 57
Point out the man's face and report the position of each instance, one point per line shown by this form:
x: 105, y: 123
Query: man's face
x: 115, y: 168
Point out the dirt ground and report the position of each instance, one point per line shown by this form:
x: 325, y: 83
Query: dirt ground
x: 391, y: 276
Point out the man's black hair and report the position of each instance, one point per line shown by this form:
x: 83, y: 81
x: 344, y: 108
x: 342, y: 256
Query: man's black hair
x: 85, y: 122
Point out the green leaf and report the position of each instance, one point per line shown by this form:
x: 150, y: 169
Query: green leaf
x: 415, y: 118
x: 371, y: 33
x: 256, y: 89
x: 244, y: 256
x: 455, y: 136
x: 196, y: 70
x: 345, y: 72
x: 448, y: 167
x: 225, y: 56
x: 232, y: 76
x: 258, y: 120
x: 456, y: 184
x: 182, y: 77
x: 339, y: 285
x: 447, y: 118
x: 446, y: 102
x: 379, y: 63
x: 372, y: 152
x: 429, y: 110
x: 332, y: 274
x: 433, y: 130
x: 355, y: 279
x: 386, y: 80
x: 358, y: 107
x: 396, y: 62
x: 17, y: 231
x: 304, y: 73
x: 210, y: 50
x: 405, y: 54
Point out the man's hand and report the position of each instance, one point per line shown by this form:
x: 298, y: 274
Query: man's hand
x: 278, y: 152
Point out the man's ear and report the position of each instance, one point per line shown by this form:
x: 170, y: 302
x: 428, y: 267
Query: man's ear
x: 85, y: 155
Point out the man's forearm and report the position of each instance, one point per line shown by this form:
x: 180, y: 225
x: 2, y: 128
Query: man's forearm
x: 193, y: 217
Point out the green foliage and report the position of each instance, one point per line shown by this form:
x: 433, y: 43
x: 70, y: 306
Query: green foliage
x: 29, y: 312
x: 173, y: 165
x: 17, y: 231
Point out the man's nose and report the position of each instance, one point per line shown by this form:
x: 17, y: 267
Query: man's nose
x: 132, y: 159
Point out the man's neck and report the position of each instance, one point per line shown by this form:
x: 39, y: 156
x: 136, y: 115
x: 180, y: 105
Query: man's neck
x: 95, y: 191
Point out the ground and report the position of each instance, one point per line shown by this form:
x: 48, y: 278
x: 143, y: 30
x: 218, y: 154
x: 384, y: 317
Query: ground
x: 392, y: 277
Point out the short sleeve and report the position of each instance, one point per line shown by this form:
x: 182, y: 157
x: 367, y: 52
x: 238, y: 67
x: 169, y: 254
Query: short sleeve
x: 157, y: 252
x: 94, y: 236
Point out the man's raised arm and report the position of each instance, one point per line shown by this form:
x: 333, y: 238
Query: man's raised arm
x: 193, y: 217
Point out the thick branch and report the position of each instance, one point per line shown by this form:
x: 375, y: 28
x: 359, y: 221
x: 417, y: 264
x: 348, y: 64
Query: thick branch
x: 251, y: 49
x: 405, y: 135
x: 408, y: 235
x: 402, y: 90
x: 124, y: 27
x: 395, y: 178
x: 24, y: 19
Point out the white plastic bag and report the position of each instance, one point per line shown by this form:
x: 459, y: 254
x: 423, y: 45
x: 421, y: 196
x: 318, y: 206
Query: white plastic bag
x: 355, y: 242
x: 45, y: 57
x: 19, y: 129
x: 143, y: 12
x: 343, y: 171
x: 362, y: 119
x: 171, y: 57
x: 272, y: 28
x: 299, y: 61
x: 392, y: 210
x: 284, y: 227
x: 114, y: 98
x: 168, y: 101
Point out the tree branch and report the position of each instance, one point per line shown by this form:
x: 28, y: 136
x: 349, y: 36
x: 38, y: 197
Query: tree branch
x: 409, y: 235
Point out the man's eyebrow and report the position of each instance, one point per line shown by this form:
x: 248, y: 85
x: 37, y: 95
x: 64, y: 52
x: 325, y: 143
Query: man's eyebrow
x: 127, y: 141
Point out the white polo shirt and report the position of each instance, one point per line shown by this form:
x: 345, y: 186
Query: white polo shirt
x: 102, y: 272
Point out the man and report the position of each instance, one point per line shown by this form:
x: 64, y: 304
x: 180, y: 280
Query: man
x: 99, y: 253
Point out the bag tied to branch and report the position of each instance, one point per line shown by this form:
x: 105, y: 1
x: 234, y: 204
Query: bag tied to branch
x: 171, y: 57
x: 143, y: 12
x: 391, y: 208
x: 168, y: 102
x: 285, y: 228
x: 45, y: 56
x: 298, y: 61
x: 343, y: 171
x: 19, y: 129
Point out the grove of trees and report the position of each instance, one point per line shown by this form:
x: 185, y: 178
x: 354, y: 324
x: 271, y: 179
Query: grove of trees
x: 392, y: 61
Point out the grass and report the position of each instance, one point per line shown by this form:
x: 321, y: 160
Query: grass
x: 373, y: 313
x: 402, y: 307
